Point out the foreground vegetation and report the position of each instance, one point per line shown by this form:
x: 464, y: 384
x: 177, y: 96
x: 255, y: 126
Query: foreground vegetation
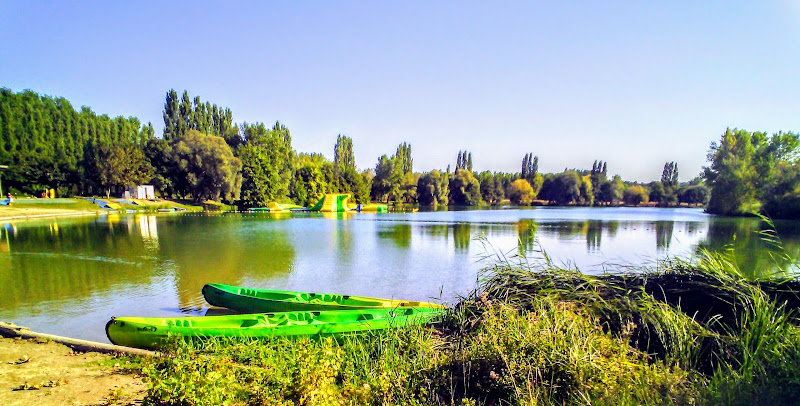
x: 532, y: 333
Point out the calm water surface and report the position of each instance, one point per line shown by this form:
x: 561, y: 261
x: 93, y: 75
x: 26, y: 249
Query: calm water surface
x: 69, y: 276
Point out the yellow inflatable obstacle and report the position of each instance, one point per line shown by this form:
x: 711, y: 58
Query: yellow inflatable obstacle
x: 371, y: 208
x: 275, y: 207
x: 339, y: 203
x: 332, y: 203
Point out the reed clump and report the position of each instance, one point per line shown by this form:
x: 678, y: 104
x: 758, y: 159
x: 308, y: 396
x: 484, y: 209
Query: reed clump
x: 681, y: 332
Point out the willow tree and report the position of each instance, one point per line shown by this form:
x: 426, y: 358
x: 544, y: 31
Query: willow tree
x: 208, y: 166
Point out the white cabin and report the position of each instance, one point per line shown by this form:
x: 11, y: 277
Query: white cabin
x: 140, y: 192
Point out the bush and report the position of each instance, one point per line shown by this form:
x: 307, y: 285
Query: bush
x: 520, y: 192
x: 635, y: 195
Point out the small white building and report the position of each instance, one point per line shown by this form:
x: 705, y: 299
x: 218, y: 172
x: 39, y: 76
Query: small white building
x: 141, y: 192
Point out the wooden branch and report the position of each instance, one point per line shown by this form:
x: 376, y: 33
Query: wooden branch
x: 12, y: 330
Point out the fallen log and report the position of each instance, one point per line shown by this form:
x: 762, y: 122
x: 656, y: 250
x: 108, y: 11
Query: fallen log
x: 12, y: 330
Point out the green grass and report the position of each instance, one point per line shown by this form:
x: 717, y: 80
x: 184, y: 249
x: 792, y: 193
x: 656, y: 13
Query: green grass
x: 683, y: 332
x: 82, y: 204
x: 59, y: 203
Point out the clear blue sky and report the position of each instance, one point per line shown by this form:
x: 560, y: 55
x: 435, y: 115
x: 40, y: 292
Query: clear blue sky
x: 633, y: 83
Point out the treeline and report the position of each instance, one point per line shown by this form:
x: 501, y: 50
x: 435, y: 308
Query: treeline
x: 570, y: 187
x: 754, y: 172
x: 46, y: 144
x: 203, y: 154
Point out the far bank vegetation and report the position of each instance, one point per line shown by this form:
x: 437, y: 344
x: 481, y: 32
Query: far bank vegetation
x: 203, y: 154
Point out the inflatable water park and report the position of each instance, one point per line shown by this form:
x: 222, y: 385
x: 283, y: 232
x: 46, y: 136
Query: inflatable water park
x: 330, y: 203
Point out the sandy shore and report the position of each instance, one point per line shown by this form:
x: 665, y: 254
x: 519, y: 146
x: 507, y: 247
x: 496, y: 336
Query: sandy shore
x: 46, y: 373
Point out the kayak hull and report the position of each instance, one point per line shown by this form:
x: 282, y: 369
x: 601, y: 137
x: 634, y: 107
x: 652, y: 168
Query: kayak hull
x: 154, y: 332
x: 247, y: 300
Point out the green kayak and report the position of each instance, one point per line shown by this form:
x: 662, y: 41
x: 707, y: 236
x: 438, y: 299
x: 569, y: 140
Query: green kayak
x: 247, y: 300
x: 150, y: 332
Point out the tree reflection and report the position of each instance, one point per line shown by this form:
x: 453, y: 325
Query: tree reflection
x: 664, y: 231
x: 594, y: 233
x: 62, y: 259
x: 400, y: 234
x: 462, y: 236
x: 224, y: 249
x: 754, y: 254
x: 526, y: 236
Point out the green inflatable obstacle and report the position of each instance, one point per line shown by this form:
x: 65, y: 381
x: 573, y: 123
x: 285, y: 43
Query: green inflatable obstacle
x: 332, y: 203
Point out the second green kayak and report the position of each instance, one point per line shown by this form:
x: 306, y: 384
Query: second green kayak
x: 151, y: 332
x: 249, y: 300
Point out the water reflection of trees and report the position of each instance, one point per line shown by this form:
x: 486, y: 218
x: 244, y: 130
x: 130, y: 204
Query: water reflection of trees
x: 754, y: 255
x: 461, y: 236
x: 399, y: 234
x: 224, y: 249
x: 594, y: 234
x: 664, y: 230
x: 68, y: 258
x: 526, y: 236
x: 592, y: 230
x: 463, y: 233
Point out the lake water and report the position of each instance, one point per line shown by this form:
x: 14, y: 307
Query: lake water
x: 68, y: 276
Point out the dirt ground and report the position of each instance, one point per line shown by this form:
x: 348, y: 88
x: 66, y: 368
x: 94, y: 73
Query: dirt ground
x: 46, y: 373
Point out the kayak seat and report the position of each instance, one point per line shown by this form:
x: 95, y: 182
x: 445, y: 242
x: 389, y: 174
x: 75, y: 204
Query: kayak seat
x: 249, y: 323
x: 302, y: 318
x: 248, y: 292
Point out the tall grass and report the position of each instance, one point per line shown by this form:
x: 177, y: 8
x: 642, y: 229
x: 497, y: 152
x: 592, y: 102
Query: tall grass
x: 532, y: 332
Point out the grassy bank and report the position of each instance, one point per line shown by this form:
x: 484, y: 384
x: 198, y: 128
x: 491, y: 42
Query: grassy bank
x: 686, y: 333
x: 24, y: 207
x: 21, y: 208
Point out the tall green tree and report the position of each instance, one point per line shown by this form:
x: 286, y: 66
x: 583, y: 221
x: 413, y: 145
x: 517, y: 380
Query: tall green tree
x: 599, y: 174
x: 122, y: 166
x: 48, y: 144
x: 695, y: 194
x: 530, y: 166
x: 403, y: 156
x: 208, y: 165
x: 465, y: 190
x: 611, y: 191
x: 732, y: 175
x: 388, y: 179
x: 669, y: 181
x: 182, y: 114
x: 783, y: 199
x: 656, y: 191
x: 492, y: 189
x: 343, y: 156
x: 313, y: 178
x: 348, y: 179
x: 433, y: 188
x: 267, y: 159
x: 464, y: 160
